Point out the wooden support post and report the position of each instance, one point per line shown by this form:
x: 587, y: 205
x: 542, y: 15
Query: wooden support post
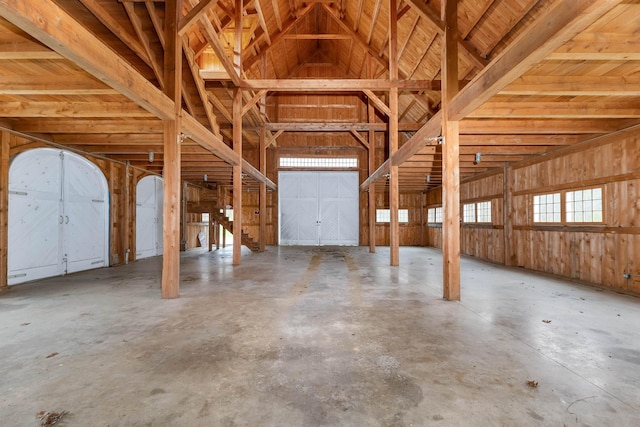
x: 372, y: 188
x: 4, y: 209
x: 507, y: 214
x: 184, y: 216
x: 172, y: 159
x: 450, y: 156
x: 394, y: 187
x: 211, y: 232
x: 237, y: 177
x: 262, y: 209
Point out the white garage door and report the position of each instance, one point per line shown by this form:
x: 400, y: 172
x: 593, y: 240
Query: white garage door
x: 58, y: 215
x: 318, y: 208
x: 149, y: 195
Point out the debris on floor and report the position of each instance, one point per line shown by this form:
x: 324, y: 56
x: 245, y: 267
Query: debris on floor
x: 50, y: 418
x: 532, y: 383
x: 547, y: 321
x: 55, y: 353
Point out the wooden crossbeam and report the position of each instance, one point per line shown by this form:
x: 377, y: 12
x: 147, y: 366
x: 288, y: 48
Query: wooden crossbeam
x: 628, y: 85
x: 340, y: 85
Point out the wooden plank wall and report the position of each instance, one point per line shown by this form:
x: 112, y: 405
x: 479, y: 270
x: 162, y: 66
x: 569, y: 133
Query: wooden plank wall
x: 596, y: 254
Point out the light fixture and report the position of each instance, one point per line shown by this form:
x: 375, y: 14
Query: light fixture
x: 478, y: 158
x: 150, y: 156
x: 206, y: 178
x: 428, y: 179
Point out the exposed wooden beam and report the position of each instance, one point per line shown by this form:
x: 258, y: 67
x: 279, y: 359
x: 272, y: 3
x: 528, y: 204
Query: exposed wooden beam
x: 110, y: 21
x: 271, y: 140
x: 426, y: 12
x: 200, y: 86
x: 194, y: 15
x: 211, y: 35
x: 380, y: 105
x: 360, y: 138
x: 561, y: 22
x: 340, y: 85
x: 339, y: 127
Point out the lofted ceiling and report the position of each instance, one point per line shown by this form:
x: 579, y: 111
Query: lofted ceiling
x: 89, y: 75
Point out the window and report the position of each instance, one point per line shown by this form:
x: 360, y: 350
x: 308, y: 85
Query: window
x: 205, y: 217
x: 571, y: 207
x: 384, y: 215
x: 546, y: 208
x: 484, y: 211
x: 469, y: 212
x: 319, y: 162
x: 431, y: 215
x: 434, y: 215
x: 584, y: 205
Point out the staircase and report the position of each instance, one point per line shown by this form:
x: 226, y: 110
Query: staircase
x: 244, y: 238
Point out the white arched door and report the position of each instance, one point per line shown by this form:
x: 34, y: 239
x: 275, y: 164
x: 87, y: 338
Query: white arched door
x: 149, y: 196
x: 58, y: 215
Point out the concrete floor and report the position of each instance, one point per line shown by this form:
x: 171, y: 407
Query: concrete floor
x: 318, y: 336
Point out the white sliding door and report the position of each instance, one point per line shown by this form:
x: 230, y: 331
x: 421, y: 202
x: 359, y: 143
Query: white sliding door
x: 318, y: 208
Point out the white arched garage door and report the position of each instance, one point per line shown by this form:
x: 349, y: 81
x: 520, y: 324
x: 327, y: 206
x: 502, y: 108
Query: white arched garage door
x: 58, y: 215
x: 149, y: 195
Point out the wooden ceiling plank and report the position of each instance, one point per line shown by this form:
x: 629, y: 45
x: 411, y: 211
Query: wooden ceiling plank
x: 71, y: 109
x: 73, y: 41
x: 26, y: 50
x: 77, y: 84
x: 248, y: 62
x: 564, y: 110
x: 561, y: 22
x: 574, y: 86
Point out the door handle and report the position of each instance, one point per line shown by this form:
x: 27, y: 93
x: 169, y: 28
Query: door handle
x: 61, y: 219
x: 67, y: 219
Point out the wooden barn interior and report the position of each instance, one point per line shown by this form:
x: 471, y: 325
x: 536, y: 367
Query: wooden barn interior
x: 441, y: 166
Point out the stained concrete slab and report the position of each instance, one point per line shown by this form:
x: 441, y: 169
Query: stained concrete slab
x: 318, y: 336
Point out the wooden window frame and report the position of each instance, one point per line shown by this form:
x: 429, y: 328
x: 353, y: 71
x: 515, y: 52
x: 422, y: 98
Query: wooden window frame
x: 563, y: 208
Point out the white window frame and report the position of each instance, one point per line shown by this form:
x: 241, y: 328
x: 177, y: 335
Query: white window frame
x: 483, y: 212
x: 383, y: 216
x: 469, y: 213
x: 318, y: 162
x: 547, y: 208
